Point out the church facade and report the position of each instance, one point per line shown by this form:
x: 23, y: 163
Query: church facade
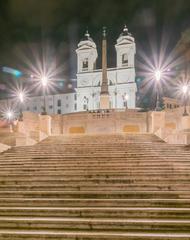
x: 120, y: 80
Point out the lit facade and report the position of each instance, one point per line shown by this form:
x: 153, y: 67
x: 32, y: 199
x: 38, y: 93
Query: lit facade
x: 121, y: 80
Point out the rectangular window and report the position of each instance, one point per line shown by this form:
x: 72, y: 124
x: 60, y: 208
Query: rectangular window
x: 59, y: 102
x: 75, y: 106
x: 124, y: 59
x: 75, y: 97
x: 59, y: 111
x: 50, y: 107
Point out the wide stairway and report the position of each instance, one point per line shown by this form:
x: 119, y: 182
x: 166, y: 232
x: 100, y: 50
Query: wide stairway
x: 96, y: 187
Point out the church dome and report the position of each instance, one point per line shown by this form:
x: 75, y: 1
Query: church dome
x: 125, y: 35
x: 87, y: 40
x: 87, y: 37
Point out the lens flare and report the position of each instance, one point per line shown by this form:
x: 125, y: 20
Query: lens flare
x: 158, y: 64
x: 41, y: 64
x: 19, y: 94
x: 8, y: 113
x: 184, y: 89
x: 158, y: 75
x: 126, y: 97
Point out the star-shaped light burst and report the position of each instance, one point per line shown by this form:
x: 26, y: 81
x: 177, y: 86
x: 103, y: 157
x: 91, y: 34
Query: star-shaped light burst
x: 182, y: 87
x: 8, y: 113
x: 42, y: 65
x: 158, y: 65
x: 20, y: 94
x: 158, y: 75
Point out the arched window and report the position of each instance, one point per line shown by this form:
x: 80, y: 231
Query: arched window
x: 110, y: 83
x: 85, y: 64
x: 124, y: 59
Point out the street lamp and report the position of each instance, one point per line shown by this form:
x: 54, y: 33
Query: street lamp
x: 93, y: 97
x: 9, y: 115
x: 115, y: 93
x: 21, y: 97
x: 158, y: 74
x: 184, y: 90
x: 126, y: 100
x: 44, y: 82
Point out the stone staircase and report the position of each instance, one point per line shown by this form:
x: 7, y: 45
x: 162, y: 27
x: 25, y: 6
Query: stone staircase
x: 96, y: 187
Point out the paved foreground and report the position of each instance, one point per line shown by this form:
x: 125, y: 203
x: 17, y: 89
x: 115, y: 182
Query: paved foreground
x: 96, y: 187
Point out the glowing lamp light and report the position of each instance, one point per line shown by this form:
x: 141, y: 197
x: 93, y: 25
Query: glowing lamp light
x: 126, y: 97
x: 21, y: 96
x: 44, y: 80
x: 158, y: 75
x: 9, y: 115
x: 184, y: 89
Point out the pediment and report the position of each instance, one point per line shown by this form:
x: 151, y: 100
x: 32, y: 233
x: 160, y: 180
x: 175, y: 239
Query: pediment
x: 124, y: 41
x: 85, y: 47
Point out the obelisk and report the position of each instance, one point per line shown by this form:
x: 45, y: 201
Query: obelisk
x: 104, y: 94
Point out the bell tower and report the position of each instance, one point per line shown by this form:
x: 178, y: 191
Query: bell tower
x: 86, y: 54
x: 125, y: 49
x: 126, y: 85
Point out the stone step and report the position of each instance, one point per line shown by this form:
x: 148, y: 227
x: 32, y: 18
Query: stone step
x: 97, y: 194
x: 95, y: 168
x: 126, y: 168
x: 98, y: 154
x: 99, y: 186
x: 95, y: 160
x: 10, y: 234
x: 93, y: 202
x: 90, y: 175
x: 98, y: 212
x: 112, y: 187
x: 97, y: 151
x: 124, y: 164
x: 105, y: 224
x: 63, y: 180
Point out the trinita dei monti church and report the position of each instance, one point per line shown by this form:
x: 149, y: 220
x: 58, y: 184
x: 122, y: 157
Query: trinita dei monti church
x: 117, y: 83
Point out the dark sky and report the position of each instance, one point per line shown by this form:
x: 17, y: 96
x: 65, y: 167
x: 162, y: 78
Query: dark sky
x: 63, y: 22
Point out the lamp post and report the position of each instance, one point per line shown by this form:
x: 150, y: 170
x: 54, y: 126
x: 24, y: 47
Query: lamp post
x: 9, y: 116
x: 44, y: 81
x: 21, y: 97
x: 157, y: 77
x: 126, y: 101
x: 115, y: 93
x: 184, y: 90
x: 87, y: 100
x: 93, y: 97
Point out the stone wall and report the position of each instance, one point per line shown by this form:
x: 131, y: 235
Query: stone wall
x: 171, y: 125
x: 92, y: 123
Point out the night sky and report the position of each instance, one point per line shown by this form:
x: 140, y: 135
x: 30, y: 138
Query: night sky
x: 62, y: 24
